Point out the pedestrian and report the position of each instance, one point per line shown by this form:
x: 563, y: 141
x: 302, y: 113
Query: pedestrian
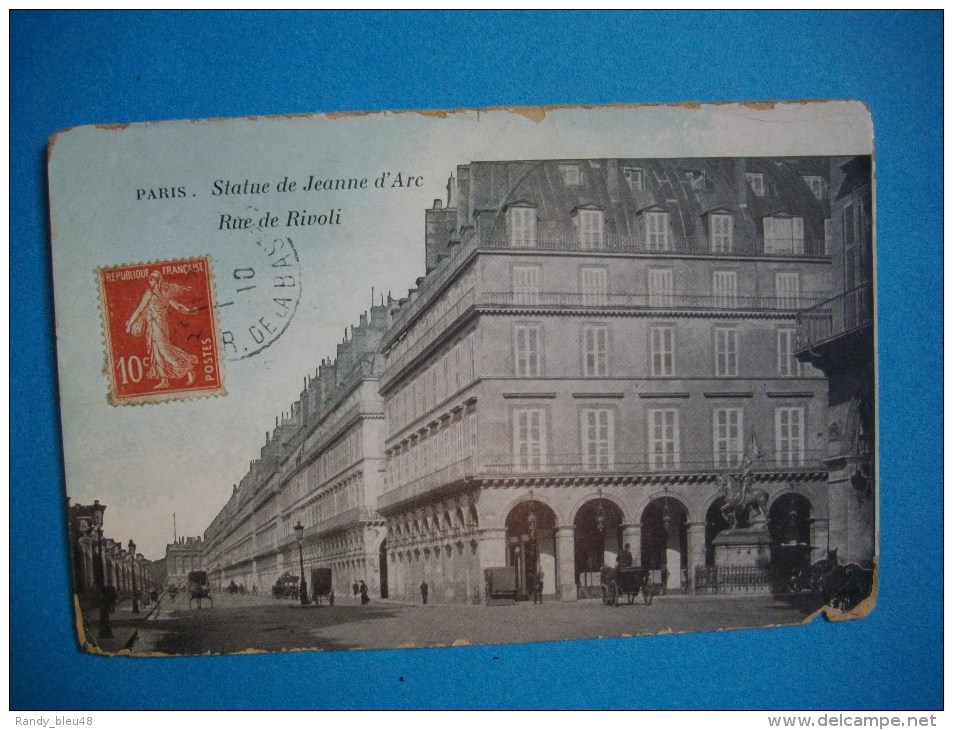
x: 424, y: 590
x: 355, y: 588
x: 538, y: 587
x: 624, y: 560
x: 365, y: 599
x: 331, y: 598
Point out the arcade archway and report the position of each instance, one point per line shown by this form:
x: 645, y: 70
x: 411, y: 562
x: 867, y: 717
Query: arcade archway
x: 531, y: 545
x: 597, y: 529
x: 789, y: 523
x: 665, y: 539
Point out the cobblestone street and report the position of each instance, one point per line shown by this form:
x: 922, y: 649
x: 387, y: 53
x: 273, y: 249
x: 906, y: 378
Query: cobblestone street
x: 239, y: 623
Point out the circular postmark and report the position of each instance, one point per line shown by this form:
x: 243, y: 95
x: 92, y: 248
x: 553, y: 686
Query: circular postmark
x: 258, y: 287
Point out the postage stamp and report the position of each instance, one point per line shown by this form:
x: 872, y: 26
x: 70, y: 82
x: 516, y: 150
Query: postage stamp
x: 161, y: 333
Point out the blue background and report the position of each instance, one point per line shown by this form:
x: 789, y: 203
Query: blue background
x: 78, y: 68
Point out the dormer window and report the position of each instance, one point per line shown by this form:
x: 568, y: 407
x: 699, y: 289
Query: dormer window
x: 721, y: 232
x: 522, y: 223
x: 784, y: 234
x: 695, y: 179
x: 634, y: 177
x: 588, y: 222
x: 655, y: 230
x: 571, y: 175
x: 816, y: 184
x: 756, y: 183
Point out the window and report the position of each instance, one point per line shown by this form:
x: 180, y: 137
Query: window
x: 756, y: 183
x: 788, y: 365
x: 789, y: 436
x: 695, y: 179
x: 595, y: 338
x: 596, y: 430
x: 661, y: 288
x: 816, y: 184
x: 656, y: 231
x: 522, y: 221
x: 787, y: 288
x: 571, y: 175
x: 724, y: 289
x: 526, y: 347
x: 594, y: 285
x: 529, y: 439
x: 662, y: 351
x: 663, y: 438
x: 828, y: 236
x: 634, y: 177
x: 721, y: 232
x: 727, y: 427
x: 526, y: 284
x: 726, y: 352
x: 589, y: 229
x: 784, y: 235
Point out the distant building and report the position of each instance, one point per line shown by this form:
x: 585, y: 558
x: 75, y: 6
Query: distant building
x: 837, y: 336
x: 182, y: 557
x: 320, y: 466
x: 594, y: 344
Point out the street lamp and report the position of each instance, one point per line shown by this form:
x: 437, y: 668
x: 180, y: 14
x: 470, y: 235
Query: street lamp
x: 600, y: 515
x: 105, y: 630
x: 135, y: 598
x: 299, y: 533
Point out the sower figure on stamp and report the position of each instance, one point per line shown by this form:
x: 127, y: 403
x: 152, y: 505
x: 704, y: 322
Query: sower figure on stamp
x: 152, y: 318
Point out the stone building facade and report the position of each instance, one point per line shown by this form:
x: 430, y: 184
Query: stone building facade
x: 837, y: 336
x: 182, y: 557
x: 320, y: 466
x: 595, y: 342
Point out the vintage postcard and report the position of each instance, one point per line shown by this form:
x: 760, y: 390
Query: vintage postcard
x: 411, y: 379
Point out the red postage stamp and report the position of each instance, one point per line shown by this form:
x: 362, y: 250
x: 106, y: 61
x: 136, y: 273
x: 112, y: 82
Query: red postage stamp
x: 161, y: 331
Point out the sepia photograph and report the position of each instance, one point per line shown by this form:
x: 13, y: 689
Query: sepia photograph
x: 575, y: 397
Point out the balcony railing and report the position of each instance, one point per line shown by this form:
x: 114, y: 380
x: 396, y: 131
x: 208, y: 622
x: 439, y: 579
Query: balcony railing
x: 611, y: 243
x: 832, y: 318
x: 596, y: 300
x: 565, y: 464
x: 684, y: 462
x: 427, y: 482
x: 626, y: 243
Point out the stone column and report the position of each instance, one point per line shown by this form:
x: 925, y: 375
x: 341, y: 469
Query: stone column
x: 632, y: 535
x: 492, y: 548
x: 696, y: 550
x: 566, y: 563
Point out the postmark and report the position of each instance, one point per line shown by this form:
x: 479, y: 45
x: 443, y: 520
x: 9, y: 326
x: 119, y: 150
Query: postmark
x: 259, y: 287
x: 161, y: 333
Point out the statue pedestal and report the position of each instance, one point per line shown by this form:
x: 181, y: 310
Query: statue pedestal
x: 748, y: 547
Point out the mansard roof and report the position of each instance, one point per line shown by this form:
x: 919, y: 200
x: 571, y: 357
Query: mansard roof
x: 688, y: 188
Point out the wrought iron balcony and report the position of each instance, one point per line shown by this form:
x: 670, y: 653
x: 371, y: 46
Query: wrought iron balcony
x: 836, y: 317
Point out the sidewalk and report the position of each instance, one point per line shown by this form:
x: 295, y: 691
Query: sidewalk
x: 124, y: 624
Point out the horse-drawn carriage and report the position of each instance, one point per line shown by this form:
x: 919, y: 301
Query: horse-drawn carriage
x: 287, y: 586
x: 199, y: 588
x: 628, y: 582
